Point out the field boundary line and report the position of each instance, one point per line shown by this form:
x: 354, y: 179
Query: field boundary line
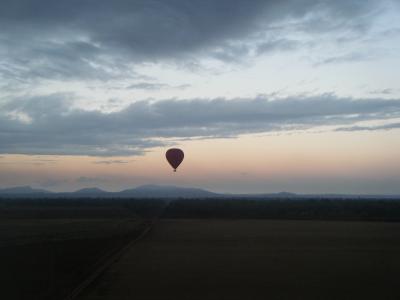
x: 109, y: 260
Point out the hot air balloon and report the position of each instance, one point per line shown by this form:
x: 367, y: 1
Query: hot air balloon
x: 174, y: 157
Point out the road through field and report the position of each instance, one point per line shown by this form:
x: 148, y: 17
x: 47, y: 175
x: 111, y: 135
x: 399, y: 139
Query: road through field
x: 257, y: 259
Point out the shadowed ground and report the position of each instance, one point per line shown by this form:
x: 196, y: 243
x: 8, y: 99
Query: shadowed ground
x: 45, y: 258
x: 257, y: 259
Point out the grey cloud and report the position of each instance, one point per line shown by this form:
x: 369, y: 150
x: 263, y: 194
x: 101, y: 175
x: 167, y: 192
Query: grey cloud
x: 370, y: 128
x: 83, y: 39
x: 182, y: 86
x: 391, y: 33
x: 383, y: 92
x: 40, y: 59
x: 140, y: 126
x: 278, y: 45
x: 349, y: 57
x: 36, y: 162
x: 155, y: 86
x: 147, y: 86
x: 231, y: 52
x: 111, y: 162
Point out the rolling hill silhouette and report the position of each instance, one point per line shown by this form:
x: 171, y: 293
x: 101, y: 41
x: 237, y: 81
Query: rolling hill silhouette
x: 166, y: 191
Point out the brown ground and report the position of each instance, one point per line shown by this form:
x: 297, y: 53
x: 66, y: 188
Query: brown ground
x: 257, y: 259
x: 43, y: 259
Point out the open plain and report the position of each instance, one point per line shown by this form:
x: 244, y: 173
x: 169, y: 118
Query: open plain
x: 257, y: 259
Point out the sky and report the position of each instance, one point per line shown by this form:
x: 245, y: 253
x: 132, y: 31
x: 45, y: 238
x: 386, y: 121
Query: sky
x: 262, y: 96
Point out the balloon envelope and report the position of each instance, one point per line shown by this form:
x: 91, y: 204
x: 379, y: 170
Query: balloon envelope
x: 174, y: 157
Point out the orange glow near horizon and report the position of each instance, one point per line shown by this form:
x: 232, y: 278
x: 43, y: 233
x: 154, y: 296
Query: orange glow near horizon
x: 239, y: 161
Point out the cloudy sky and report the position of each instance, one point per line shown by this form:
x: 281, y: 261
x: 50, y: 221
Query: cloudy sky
x: 262, y: 95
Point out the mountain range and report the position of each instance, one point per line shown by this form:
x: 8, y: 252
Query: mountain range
x: 164, y: 191
x: 144, y: 191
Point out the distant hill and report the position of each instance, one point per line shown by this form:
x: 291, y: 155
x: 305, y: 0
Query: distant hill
x: 90, y: 191
x: 145, y: 191
x: 161, y: 191
x: 165, y: 191
x: 22, y: 190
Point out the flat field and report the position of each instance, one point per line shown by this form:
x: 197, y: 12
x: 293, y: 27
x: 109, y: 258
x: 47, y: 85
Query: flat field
x: 44, y: 259
x: 257, y: 259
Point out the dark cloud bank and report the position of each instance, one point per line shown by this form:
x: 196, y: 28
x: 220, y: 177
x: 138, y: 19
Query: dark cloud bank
x: 79, y: 39
x: 86, y: 39
x: 50, y: 127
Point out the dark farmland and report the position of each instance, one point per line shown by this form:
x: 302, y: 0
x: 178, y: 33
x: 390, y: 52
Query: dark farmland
x: 290, y: 209
x: 49, y: 246
x: 258, y: 259
x: 201, y: 249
